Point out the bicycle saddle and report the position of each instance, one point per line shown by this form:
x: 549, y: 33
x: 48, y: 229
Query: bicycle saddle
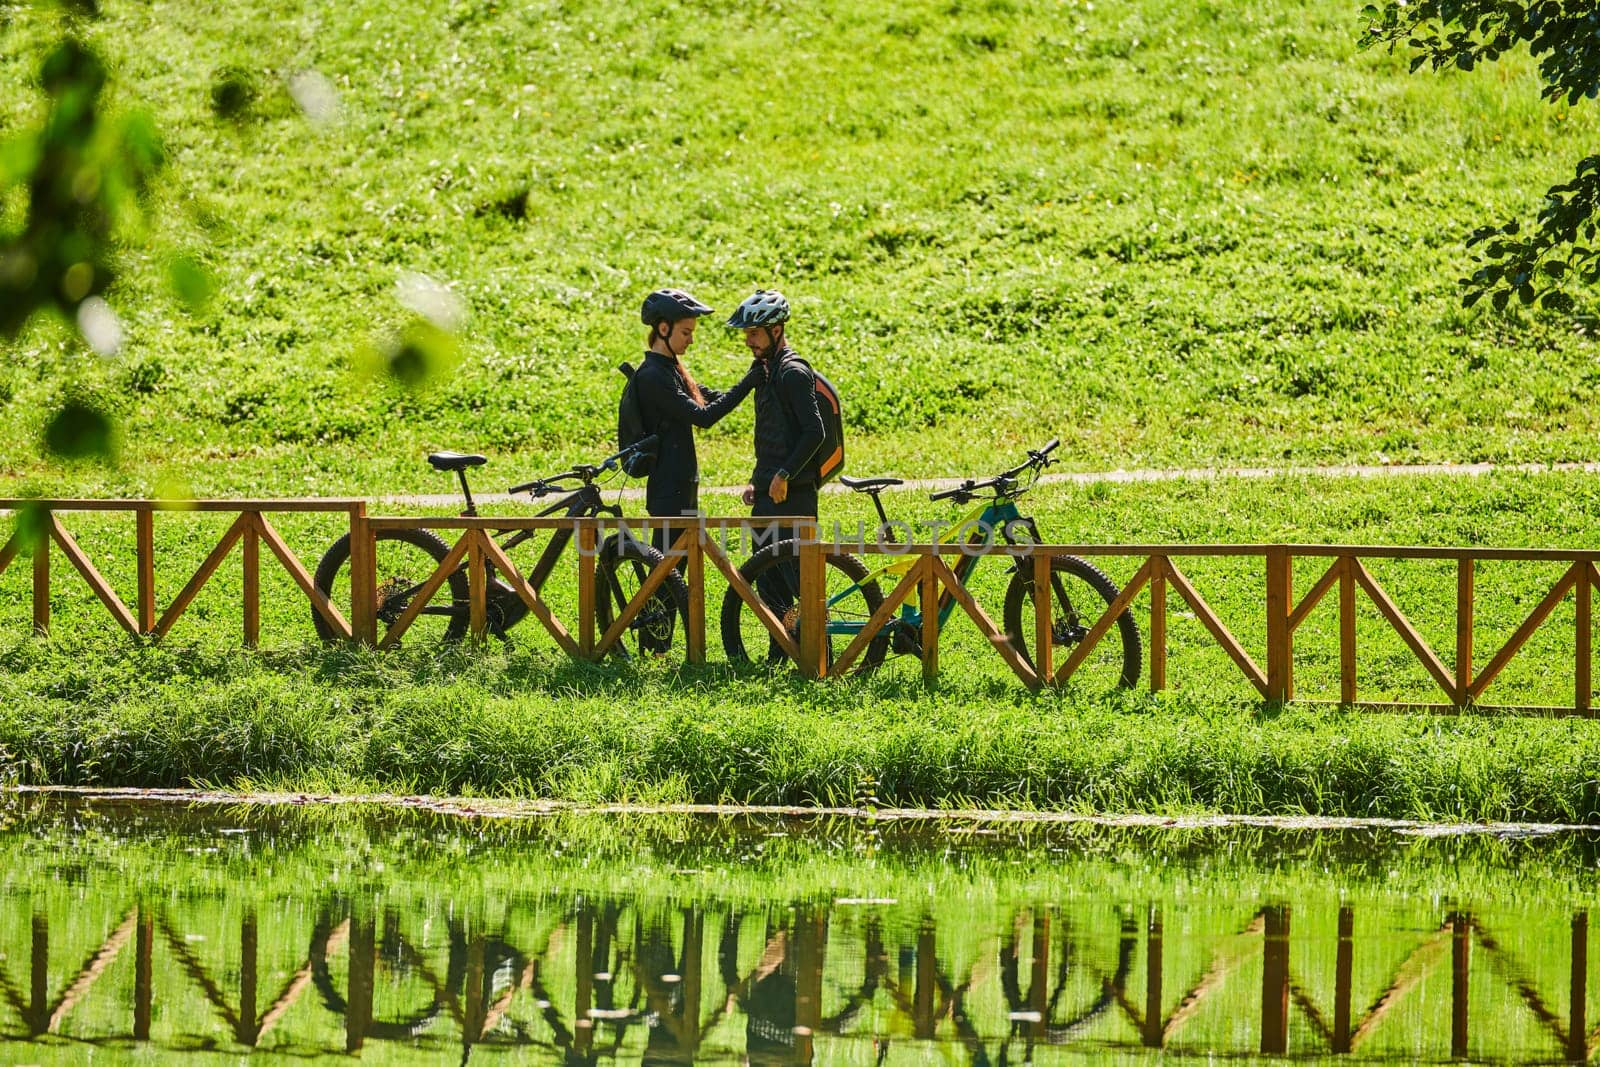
x: 455, y: 461
x: 869, y: 485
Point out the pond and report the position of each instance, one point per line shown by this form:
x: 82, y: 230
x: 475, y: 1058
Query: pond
x: 138, y: 931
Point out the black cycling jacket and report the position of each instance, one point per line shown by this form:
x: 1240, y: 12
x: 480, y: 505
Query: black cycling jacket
x: 789, y: 427
x: 671, y: 414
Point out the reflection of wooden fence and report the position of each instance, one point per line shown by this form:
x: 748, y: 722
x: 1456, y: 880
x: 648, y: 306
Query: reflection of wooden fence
x: 1058, y: 985
x: 695, y: 542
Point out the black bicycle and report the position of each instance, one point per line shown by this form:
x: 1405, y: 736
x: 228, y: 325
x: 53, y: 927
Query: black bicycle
x: 406, y: 559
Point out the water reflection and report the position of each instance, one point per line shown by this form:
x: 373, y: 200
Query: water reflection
x: 247, y: 947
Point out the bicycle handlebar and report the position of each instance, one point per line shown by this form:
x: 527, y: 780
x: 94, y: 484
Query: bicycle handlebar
x: 1004, y: 482
x: 586, y: 472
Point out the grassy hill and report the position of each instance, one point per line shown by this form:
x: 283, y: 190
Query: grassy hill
x: 1172, y: 233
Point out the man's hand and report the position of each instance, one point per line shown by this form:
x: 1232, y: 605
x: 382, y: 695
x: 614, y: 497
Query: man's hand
x: 748, y: 496
x: 779, y: 489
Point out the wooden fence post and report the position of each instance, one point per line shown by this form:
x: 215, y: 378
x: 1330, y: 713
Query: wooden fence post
x: 1347, y: 630
x: 41, y: 578
x: 1158, y: 624
x: 587, y: 540
x: 1280, y: 640
x: 145, y: 553
x: 363, y: 579
x: 930, y: 617
x: 813, y: 605
x: 477, y: 586
x: 252, y: 583
x: 1465, y: 575
x: 1584, y: 641
x: 1044, y: 659
x: 695, y: 574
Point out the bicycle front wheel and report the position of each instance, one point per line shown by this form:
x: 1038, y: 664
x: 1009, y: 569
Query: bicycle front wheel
x: 1079, y: 594
x: 774, y: 574
x: 619, y: 574
x: 405, y: 559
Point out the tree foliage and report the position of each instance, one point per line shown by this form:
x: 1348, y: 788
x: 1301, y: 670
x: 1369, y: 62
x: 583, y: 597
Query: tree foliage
x: 1564, y: 36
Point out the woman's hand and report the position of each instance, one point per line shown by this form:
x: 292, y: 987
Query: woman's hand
x: 748, y: 496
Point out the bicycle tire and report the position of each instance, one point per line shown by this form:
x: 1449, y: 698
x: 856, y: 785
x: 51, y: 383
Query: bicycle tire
x: 764, y: 570
x: 1115, y: 661
x: 619, y: 571
x: 407, y: 571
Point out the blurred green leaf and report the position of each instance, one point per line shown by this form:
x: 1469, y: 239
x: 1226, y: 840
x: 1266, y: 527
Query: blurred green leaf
x: 191, y: 282
x: 32, y: 527
x: 419, y: 355
x: 232, y: 93
x: 79, y: 431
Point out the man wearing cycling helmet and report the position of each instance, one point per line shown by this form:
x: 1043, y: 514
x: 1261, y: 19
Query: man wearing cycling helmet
x: 789, y: 427
x: 672, y: 403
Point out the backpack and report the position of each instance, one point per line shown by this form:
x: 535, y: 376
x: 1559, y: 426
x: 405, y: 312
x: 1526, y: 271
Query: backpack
x: 828, y: 460
x: 631, y: 429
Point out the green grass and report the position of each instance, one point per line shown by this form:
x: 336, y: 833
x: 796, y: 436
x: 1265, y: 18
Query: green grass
x: 1175, y: 234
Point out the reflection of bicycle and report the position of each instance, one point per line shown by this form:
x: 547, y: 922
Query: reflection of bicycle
x: 406, y: 558
x: 1079, y: 591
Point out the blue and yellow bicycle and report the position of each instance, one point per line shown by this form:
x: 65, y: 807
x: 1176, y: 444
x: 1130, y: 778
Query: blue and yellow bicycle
x: 1079, y: 591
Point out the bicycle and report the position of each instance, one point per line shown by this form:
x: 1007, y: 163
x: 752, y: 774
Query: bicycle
x: 1080, y: 591
x: 406, y: 558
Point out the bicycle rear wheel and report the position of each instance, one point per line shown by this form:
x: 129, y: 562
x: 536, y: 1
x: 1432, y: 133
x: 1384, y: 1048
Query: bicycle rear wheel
x: 1080, y: 593
x: 405, y: 560
x: 619, y: 574
x: 774, y: 573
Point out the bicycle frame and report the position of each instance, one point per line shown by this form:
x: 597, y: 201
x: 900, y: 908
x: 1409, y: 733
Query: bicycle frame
x: 990, y: 518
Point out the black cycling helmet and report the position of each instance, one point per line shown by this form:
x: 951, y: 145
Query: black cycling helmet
x: 767, y: 307
x: 670, y: 305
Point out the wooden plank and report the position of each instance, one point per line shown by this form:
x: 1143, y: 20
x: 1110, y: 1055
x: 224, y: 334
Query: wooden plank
x: 1044, y: 631
x: 813, y: 610
x: 297, y: 571
x: 530, y: 597
x: 695, y: 576
x: 1313, y: 598
x: 1219, y: 633
x: 929, y: 588
x: 144, y: 538
x: 1158, y: 623
x: 742, y: 589
x: 207, y: 568
x: 647, y: 589
x: 96, y: 581
x: 477, y: 587
x: 1106, y: 621
x: 41, y: 585
x: 997, y: 638
x: 1466, y: 571
x: 1347, y: 630
x: 10, y: 550
x: 440, y: 575
x: 1407, y: 632
x: 251, y: 547
x: 587, y: 550
x: 1280, y: 638
x: 318, y: 503
x: 1525, y: 631
x: 363, y: 580
x: 908, y: 582
x: 1584, y: 649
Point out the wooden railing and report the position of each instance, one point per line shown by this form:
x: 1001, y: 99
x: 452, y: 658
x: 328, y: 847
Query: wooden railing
x: 1461, y: 686
x: 42, y: 528
x: 695, y: 544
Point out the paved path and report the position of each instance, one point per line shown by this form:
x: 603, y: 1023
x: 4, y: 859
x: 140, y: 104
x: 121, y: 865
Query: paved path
x: 934, y: 485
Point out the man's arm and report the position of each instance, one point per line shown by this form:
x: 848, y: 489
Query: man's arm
x: 799, y: 391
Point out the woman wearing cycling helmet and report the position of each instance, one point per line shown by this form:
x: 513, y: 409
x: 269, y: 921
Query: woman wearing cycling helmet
x: 672, y: 403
